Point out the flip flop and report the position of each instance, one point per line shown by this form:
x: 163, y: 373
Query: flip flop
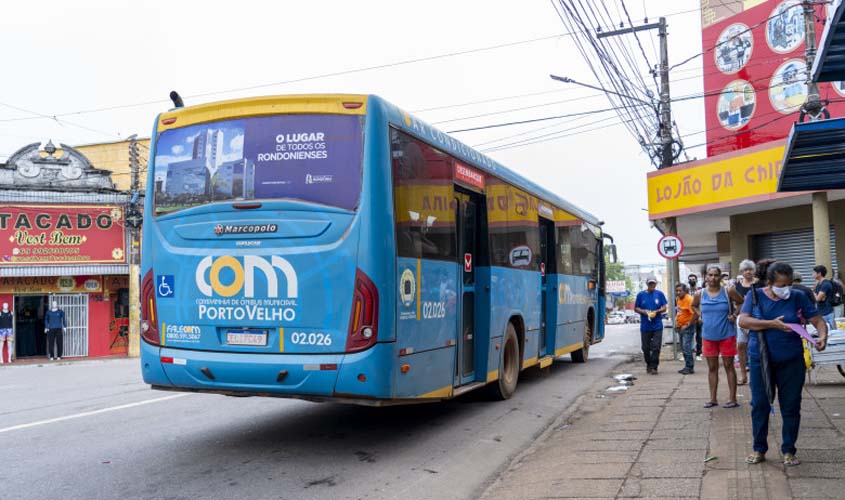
x: 790, y: 460
x: 742, y: 382
x: 755, y: 458
x: 731, y: 404
x: 711, y: 404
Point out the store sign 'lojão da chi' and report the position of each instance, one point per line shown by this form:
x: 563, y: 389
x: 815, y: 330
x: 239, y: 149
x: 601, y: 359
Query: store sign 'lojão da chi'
x: 62, y: 234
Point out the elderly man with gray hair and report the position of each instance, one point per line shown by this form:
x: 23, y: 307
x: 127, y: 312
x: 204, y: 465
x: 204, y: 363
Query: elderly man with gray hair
x: 744, y: 283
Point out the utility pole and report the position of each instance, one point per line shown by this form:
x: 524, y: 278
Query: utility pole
x: 133, y: 221
x: 667, y: 157
x: 814, y: 109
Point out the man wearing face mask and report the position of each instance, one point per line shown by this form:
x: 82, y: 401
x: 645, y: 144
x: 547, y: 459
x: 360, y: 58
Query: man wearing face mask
x: 693, y: 287
x: 7, y: 335
x: 54, y: 326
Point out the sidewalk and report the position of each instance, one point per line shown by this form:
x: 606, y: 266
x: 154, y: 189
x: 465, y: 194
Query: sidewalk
x: 652, y: 441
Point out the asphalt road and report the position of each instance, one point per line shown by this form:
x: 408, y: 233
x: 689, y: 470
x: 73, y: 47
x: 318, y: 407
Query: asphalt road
x: 92, y: 430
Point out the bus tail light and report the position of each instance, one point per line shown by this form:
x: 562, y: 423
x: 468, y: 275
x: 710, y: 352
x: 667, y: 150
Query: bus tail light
x: 149, y: 316
x: 363, y: 321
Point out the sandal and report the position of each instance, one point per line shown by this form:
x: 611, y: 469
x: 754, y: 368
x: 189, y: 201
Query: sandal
x: 742, y: 381
x: 756, y: 458
x: 710, y: 404
x: 731, y: 404
x: 790, y: 460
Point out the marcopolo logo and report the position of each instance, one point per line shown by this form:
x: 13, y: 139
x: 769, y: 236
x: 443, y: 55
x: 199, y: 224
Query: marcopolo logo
x: 241, y: 272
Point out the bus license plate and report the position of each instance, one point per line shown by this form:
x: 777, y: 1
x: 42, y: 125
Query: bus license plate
x: 243, y: 337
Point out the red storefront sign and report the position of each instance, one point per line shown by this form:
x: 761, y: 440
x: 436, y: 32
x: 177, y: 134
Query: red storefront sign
x: 469, y: 176
x: 754, y: 71
x: 62, y: 234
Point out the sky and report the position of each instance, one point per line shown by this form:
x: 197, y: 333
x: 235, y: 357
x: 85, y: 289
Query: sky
x: 93, y: 71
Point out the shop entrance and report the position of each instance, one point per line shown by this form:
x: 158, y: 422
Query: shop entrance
x: 29, y: 324
x: 30, y: 339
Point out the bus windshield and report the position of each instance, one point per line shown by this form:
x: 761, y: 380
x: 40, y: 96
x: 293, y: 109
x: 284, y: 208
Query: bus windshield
x: 313, y: 158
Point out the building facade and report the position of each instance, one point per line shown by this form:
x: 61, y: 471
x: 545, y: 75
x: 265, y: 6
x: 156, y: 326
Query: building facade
x: 727, y: 207
x: 63, y: 238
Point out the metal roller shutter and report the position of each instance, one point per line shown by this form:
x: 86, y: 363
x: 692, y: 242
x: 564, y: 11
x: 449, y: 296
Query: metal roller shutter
x: 795, y: 248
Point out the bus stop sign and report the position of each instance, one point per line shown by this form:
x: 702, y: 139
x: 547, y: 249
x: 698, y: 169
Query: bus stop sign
x: 670, y: 246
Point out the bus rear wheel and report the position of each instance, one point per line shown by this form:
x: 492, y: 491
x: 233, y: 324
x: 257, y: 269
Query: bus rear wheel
x: 583, y: 354
x: 505, y: 386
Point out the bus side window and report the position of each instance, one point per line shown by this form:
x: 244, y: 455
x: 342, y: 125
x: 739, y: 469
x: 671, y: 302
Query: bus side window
x: 564, y: 254
x: 423, y: 199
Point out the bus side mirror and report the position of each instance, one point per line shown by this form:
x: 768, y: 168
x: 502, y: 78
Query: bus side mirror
x: 612, y: 253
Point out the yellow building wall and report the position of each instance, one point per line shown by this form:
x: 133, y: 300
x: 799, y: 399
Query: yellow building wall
x: 114, y: 156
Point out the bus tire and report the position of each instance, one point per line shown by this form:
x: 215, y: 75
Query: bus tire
x: 582, y: 355
x: 505, y: 386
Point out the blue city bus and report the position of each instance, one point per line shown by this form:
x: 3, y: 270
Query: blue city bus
x: 334, y: 247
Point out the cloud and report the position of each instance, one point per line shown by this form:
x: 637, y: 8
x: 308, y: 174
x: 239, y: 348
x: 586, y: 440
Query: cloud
x: 237, y: 143
x: 177, y: 149
x: 190, y: 139
x: 164, y: 160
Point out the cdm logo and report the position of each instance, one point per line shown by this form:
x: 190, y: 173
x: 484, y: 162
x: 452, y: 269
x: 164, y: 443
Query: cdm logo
x: 240, y: 273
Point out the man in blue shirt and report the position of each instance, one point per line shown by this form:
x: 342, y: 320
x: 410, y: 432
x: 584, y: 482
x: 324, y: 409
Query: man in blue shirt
x: 824, y: 291
x: 651, y: 304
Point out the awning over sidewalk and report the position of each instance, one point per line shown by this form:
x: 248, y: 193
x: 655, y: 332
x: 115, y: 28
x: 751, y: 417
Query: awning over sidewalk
x: 814, y: 159
x: 829, y: 66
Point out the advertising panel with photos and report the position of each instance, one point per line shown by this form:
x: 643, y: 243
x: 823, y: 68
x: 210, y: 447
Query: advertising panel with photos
x: 755, y: 72
x: 311, y: 158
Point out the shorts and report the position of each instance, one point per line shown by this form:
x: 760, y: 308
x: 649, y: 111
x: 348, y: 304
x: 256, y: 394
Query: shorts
x: 741, y: 335
x: 725, y: 347
x: 6, y: 333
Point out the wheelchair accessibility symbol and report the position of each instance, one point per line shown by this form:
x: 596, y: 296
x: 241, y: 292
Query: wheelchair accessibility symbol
x: 164, y: 286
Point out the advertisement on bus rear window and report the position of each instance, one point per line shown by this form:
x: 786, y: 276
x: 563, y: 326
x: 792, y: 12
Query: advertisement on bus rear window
x: 313, y: 158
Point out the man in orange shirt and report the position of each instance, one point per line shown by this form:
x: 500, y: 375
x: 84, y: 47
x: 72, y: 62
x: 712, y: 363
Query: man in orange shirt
x: 685, y: 322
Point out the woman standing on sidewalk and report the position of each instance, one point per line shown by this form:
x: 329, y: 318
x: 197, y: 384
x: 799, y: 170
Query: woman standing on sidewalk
x: 743, y: 285
x: 715, y: 305
x: 770, y: 314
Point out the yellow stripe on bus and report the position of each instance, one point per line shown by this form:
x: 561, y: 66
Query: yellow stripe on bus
x: 568, y: 349
x: 530, y: 362
x: 493, y: 375
x: 281, y: 340
x: 443, y: 392
x: 162, y: 335
x: 259, y: 106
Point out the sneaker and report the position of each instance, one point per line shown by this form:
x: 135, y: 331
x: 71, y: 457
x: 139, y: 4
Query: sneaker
x: 51, y: 358
x: 684, y: 371
x: 699, y: 358
x: 58, y: 359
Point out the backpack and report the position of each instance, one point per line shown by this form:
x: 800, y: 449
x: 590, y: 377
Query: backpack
x: 836, y: 296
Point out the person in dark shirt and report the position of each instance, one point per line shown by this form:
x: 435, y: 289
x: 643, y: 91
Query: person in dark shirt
x: 692, y: 279
x: 777, y: 306
x: 824, y: 292
x: 797, y: 280
x: 7, y: 334
x: 54, y: 326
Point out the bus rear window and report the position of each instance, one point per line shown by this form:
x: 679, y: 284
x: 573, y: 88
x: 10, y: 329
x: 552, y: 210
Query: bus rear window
x: 314, y: 158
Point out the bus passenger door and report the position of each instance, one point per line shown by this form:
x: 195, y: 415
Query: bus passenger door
x: 468, y: 211
x: 548, y: 271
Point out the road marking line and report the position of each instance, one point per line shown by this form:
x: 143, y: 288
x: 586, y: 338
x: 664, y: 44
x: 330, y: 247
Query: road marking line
x: 90, y: 413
